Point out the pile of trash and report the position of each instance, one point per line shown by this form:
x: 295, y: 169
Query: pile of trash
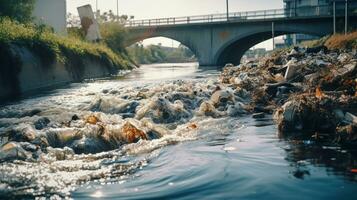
x: 311, y: 91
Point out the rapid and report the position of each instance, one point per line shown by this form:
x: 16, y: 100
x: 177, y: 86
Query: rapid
x: 163, y: 131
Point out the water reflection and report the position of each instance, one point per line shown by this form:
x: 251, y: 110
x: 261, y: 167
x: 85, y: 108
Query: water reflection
x: 336, y: 160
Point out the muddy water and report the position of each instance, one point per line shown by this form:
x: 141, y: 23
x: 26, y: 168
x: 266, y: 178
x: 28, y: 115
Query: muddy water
x: 220, y: 158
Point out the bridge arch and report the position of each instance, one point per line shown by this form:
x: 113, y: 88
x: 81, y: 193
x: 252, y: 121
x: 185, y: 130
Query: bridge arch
x: 233, y: 50
x: 149, y: 34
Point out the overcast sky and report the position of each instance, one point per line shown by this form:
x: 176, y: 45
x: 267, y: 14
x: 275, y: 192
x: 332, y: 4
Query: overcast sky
x: 144, y: 9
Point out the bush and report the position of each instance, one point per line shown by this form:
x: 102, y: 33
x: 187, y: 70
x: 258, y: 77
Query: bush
x: 50, y: 47
x: 20, y: 10
x: 114, y: 35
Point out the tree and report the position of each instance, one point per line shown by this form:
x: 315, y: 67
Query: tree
x: 20, y: 10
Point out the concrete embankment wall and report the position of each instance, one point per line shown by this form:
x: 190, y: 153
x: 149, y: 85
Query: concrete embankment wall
x: 23, y: 72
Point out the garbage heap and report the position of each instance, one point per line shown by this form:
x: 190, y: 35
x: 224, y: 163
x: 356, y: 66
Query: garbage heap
x: 311, y: 91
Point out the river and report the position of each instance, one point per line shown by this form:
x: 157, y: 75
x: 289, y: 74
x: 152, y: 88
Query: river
x: 220, y: 158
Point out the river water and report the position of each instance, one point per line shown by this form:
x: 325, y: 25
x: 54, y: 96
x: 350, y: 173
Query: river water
x: 220, y: 158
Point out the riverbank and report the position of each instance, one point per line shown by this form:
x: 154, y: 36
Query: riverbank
x: 34, y: 58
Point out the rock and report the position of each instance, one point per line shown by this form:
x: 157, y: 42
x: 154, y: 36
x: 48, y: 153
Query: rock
x: 23, y: 133
x: 42, y: 123
x: 13, y: 151
x: 75, y: 118
x: 258, y: 115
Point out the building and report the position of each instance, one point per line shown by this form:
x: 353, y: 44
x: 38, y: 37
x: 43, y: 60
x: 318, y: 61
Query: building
x: 300, y: 8
x: 52, y: 13
x: 320, y: 7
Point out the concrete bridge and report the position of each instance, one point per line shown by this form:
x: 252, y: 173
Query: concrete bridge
x: 220, y: 39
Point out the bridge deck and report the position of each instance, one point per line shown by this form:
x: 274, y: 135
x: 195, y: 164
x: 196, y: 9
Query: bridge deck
x: 303, y: 12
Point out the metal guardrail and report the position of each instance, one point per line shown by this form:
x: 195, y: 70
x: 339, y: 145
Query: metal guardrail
x: 309, y: 11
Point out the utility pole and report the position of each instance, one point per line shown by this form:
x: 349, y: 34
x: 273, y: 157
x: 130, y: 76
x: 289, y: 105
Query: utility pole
x: 346, y: 16
x: 117, y: 10
x: 334, y: 17
x: 96, y: 9
x: 227, y: 4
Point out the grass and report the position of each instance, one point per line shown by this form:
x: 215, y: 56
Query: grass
x: 337, y: 41
x: 341, y: 41
x: 53, y: 48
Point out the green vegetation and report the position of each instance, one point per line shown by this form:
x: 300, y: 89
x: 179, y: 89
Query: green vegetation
x: 51, y: 47
x: 160, y: 54
x: 19, y: 10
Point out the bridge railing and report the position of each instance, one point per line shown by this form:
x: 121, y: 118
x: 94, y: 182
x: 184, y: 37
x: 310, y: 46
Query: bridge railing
x: 308, y: 11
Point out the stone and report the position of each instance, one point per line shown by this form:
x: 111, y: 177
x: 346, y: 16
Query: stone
x: 13, y: 151
x: 41, y: 123
x: 26, y: 133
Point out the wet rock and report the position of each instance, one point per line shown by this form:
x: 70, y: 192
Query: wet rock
x: 90, y: 145
x: 258, y: 115
x: 13, y: 151
x: 61, y: 137
x: 42, y: 123
x: 75, y: 118
x: 23, y: 133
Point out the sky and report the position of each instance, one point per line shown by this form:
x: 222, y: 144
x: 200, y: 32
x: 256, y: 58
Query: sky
x: 146, y: 9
